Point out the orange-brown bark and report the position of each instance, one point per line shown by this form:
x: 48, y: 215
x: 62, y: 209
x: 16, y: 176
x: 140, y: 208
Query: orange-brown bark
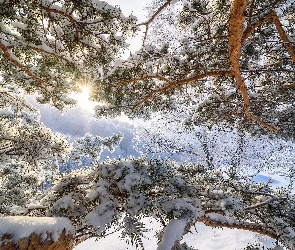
x: 249, y: 29
x: 172, y: 85
x: 252, y: 26
x: 283, y: 35
x: 256, y: 228
x: 236, y: 28
x: 7, y: 54
x: 35, y: 242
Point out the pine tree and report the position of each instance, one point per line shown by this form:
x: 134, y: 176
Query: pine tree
x: 29, y: 153
x: 234, y: 59
x: 116, y: 194
x: 229, y: 62
x: 47, y: 47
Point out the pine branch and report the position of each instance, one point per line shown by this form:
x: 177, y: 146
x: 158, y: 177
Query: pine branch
x: 151, y: 19
x: 236, y: 23
x: 14, y: 61
x: 283, y: 35
x: 252, y: 27
x: 175, y: 84
x: 252, y: 227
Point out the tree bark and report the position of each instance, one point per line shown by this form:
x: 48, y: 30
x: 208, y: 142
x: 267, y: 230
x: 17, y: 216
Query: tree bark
x: 236, y: 29
x: 36, y: 242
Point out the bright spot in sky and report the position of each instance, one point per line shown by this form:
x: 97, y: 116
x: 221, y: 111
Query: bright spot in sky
x: 83, y: 99
x: 128, y: 7
x: 84, y: 103
x: 85, y: 92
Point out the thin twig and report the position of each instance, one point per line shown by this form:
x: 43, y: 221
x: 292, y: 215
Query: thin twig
x: 151, y: 19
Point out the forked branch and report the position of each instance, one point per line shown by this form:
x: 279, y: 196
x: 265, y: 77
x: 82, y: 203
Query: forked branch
x: 236, y: 26
x: 251, y: 27
x: 151, y: 19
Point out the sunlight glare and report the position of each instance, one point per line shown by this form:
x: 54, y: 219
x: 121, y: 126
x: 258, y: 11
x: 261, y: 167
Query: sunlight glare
x: 82, y: 99
x: 85, y: 92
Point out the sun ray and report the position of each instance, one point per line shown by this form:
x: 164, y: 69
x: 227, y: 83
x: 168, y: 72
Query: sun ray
x: 82, y: 97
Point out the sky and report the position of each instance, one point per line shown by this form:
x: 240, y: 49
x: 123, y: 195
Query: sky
x: 136, y: 8
x: 84, y: 123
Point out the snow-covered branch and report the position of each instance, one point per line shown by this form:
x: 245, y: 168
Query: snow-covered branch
x: 94, y: 198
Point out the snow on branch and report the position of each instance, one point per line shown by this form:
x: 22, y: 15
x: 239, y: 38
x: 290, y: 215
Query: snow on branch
x: 179, y: 196
x: 23, y: 226
x: 55, y: 44
x: 151, y: 19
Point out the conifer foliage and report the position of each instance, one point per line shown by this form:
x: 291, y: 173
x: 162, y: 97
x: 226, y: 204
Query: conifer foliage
x: 118, y: 194
x: 229, y: 62
x: 47, y: 45
x: 29, y: 152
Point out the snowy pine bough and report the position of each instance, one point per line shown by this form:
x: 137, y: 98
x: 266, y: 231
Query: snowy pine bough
x: 48, y: 45
x: 121, y: 193
x: 227, y: 62
x: 29, y: 151
x: 116, y: 194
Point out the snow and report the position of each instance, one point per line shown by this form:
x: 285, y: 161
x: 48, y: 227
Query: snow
x: 98, y: 219
x: 13, y: 57
x: 76, y: 122
x: 102, y: 5
x: 23, y: 226
x: 173, y: 233
x: 19, y: 25
x: 200, y: 237
x: 206, y: 238
x: 265, y: 179
x: 5, y: 112
x: 56, y: 7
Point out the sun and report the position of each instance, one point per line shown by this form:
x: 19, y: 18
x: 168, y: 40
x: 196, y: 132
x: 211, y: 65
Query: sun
x: 85, y: 92
x: 82, y: 98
